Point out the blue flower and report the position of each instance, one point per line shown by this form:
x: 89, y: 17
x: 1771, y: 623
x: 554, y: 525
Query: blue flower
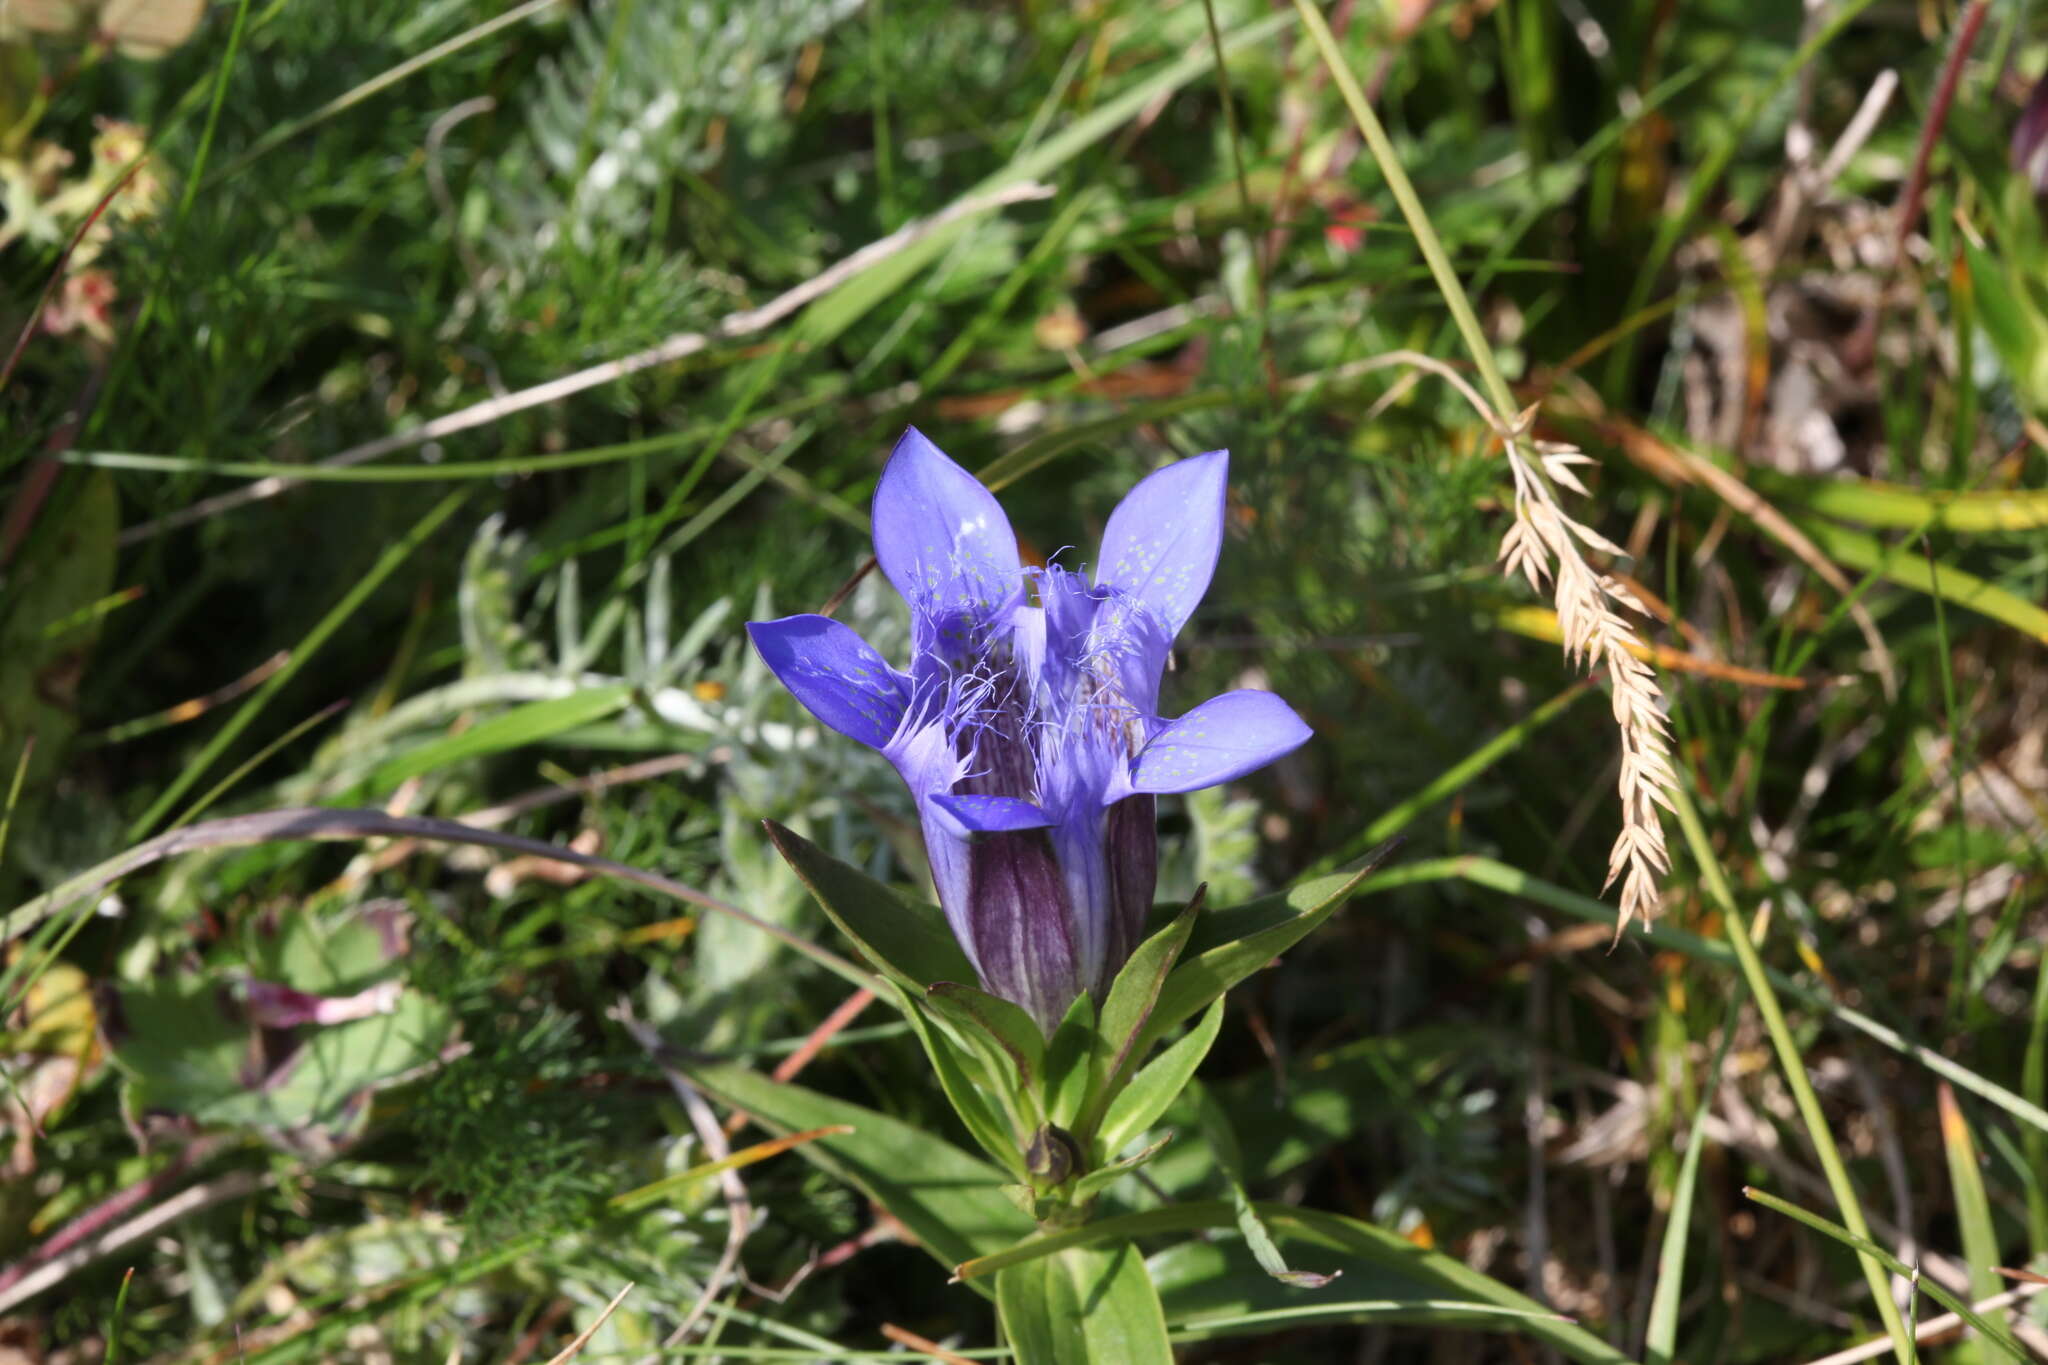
x: 1028, y: 726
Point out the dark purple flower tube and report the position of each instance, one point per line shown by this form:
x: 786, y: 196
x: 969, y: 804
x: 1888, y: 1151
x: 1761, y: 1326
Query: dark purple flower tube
x: 1028, y: 725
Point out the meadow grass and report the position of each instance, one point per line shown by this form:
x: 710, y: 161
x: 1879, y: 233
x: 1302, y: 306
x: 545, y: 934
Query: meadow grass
x: 411, y: 433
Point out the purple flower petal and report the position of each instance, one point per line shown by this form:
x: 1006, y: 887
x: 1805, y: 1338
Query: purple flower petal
x: 943, y: 540
x: 1163, y: 538
x: 992, y: 814
x: 1224, y: 737
x: 837, y: 675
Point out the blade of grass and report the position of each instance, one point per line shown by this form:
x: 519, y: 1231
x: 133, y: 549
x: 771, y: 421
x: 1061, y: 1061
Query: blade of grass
x: 1962, y: 943
x: 320, y: 823
x: 1973, y: 1209
x: 254, y: 761
x: 832, y: 315
x: 1454, y: 778
x: 28, y: 749
x: 383, y: 80
x: 1794, y: 1067
x: 2034, y: 1086
x: 386, y: 564
x: 1660, y: 1340
x: 131, y: 336
x: 1872, y: 1252
x: 1873, y: 503
x: 1901, y: 566
x: 1403, y: 189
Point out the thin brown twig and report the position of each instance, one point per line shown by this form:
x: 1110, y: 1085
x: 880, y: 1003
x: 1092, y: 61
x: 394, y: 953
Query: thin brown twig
x: 115, y: 1206
x: 904, y: 1337
x: 204, y: 1195
x: 35, y: 314
x: 583, y: 1337
x: 739, y: 1209
x: 1937, y: 118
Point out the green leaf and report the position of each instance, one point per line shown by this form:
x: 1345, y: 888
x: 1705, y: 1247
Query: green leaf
x: 1376, y: 1249
x: 326, y: 955
x: 967, y: 1088
x: 1904, y: 565
x: 515, y: 729
x: 1102, y: 1177
x: 902, y: 936
x: 184, y: 1052
x: 1067, y: 1062
x: 1222, y: 1140
x: 1215, y: 1289
x: 1660, y: 1335
x: 1008, y: 1028
x: 1131, y: 999
x: 950, y: 1201
x: 1153, y: 1090
x: 1973, y: 1207
x: 1090, y: 1304
x: 1262, y: 931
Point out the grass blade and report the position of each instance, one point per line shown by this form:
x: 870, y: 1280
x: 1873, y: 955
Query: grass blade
x: 1794, y: 1067
x: 1871, y: 1251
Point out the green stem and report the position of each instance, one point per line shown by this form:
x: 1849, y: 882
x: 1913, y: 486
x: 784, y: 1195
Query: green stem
x: 1433, y: 253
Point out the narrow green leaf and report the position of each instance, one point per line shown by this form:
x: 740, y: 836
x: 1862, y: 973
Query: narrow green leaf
x: 1138, y: 1105
x: 307, y: 649
x: 1222, y: 1140
x: 1660, y: 1341
x: 1086, y: 1304
x: 1131, y: 999
x: 830, y: 316
x: 951, y: 1201
x: 2034, y: 1085
x: 1993, y: 1332
x: 1512, y: 881
x: 1973, y: 1209
x: 967, y: 1090
x: 1101, y: 1178
x: 1213, y: 1289
x: 1903, y: 506
x: 1004, y: 1025
x: 900, y: 935
x: 1900, y: 564
x: 1067, y: 1060
x: 514, y: 729
x: 1736, y: 926
x: 1377, y: 1248
x: 1274, y: 928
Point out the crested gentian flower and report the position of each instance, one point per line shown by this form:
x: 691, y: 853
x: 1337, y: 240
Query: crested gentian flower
x: 1028, y: 725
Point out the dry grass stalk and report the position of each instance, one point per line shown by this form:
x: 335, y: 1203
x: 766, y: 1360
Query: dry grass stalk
x: 1543, y: 545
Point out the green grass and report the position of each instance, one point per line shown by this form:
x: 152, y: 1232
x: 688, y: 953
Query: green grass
x: 370, y: 216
